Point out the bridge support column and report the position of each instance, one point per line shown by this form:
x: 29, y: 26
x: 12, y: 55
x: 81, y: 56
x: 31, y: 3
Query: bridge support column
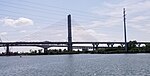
x: 45, y: 50
x: 121, y: 45
x: 7, y: 50
x: 96, y: 46
x: 93, y: 47
x: 112, y: 45
x: 139, y: 45
x: 108, y: 45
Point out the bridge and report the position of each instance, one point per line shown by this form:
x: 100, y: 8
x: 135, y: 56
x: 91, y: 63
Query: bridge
x: 69, y: 44
x: 46, y: 45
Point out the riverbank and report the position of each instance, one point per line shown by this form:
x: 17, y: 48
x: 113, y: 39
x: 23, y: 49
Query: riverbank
x: 75, y: 52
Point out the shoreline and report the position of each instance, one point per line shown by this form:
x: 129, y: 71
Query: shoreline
x: 72, y: 54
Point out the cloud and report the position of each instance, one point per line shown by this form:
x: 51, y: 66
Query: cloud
x: 137, y: 14
x: 23, y: 31
x: 134, y: 8
x: 139, y: 18
x: 111, y: 19
x: 17, y: 22
x: 81, y: 33
x: 3, y: 33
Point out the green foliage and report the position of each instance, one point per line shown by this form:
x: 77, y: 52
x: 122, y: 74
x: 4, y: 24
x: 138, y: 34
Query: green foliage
x: 147, y: 47
x: 132, y: 44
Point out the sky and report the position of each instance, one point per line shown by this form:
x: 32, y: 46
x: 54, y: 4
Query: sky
x: 92, y: 20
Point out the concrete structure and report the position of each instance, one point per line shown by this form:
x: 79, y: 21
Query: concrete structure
x: 69, y: 34
x: 46, y: 45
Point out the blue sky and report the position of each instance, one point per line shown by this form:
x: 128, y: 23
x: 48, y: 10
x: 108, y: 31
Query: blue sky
x: 92, y: 20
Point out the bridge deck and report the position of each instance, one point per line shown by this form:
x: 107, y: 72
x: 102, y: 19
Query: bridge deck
x: 67, y: 42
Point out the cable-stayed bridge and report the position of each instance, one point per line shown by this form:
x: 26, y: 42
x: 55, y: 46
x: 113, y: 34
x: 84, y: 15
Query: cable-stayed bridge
x: 69, y: 44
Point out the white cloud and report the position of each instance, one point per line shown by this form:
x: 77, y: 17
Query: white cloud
x: 139, y: 18
x: 81, y: 33
x: 133, y: 7
x: 111, y: 15
x: 137, y: 14
x: 23, y: 31
x: 17, y: 22
x: 3, y: 33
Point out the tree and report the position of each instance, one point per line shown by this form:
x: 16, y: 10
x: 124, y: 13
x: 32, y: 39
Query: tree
x: 60, y: 50
x: 147, y: 47
x: 132, y: 44
x: 40, y: 51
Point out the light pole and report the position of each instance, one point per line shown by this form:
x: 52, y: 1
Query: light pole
x: 125, y: 36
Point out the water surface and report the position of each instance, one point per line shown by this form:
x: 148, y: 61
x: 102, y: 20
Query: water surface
x: 76, y: 65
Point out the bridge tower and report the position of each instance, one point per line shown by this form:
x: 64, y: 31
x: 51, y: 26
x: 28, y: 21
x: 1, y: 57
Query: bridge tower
x: 69, y: 34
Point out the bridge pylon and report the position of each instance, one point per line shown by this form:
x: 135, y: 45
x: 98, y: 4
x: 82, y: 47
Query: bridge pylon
x: 69, y: 34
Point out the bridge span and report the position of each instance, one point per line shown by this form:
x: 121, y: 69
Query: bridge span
x: 75, y: 45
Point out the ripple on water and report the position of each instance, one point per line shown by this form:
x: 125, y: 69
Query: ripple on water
x: 76, y: 65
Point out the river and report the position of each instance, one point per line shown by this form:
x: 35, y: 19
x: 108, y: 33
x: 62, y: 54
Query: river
x: 76, y: 65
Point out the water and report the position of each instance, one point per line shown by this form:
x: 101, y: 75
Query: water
x: 76, y: 65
